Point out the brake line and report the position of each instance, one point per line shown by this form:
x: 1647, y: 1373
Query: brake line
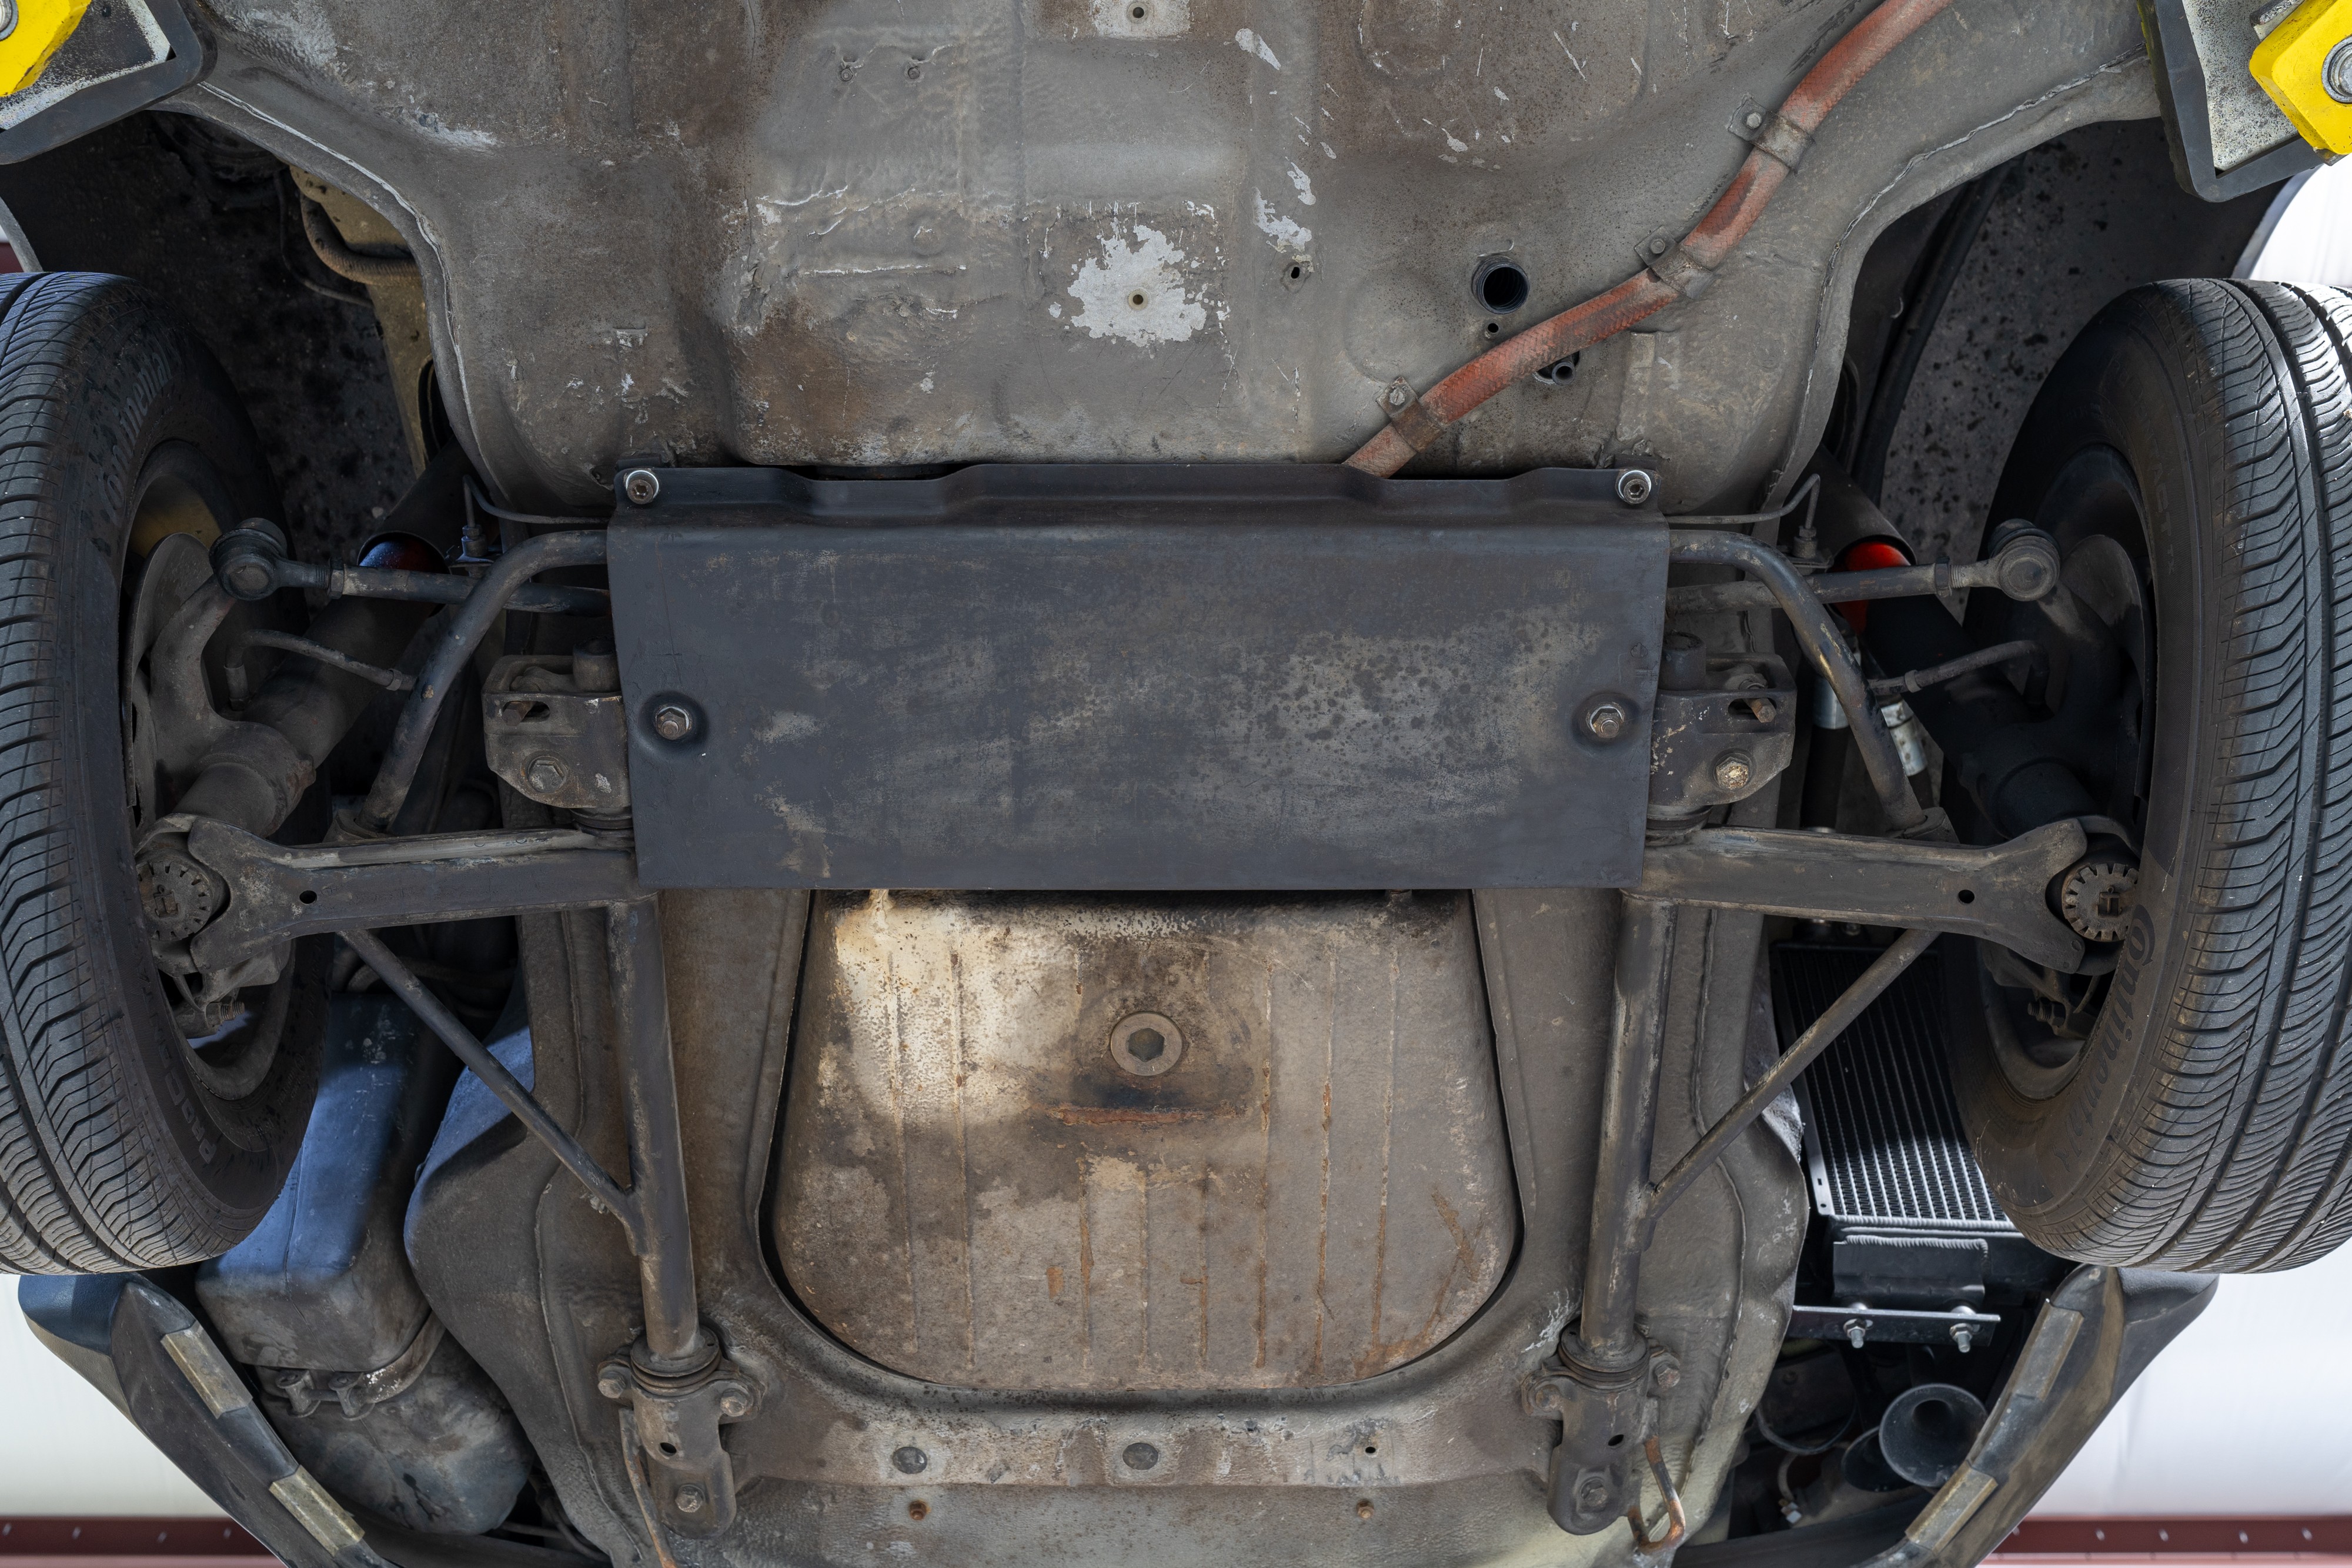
x: 1681, y: 273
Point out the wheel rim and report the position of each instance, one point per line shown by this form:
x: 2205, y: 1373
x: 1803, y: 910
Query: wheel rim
x: 230, y: 1044
x: 2099, y: 635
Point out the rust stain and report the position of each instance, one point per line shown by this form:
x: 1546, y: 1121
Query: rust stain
x: 1117, y: 1116
x: 1053, y: 1282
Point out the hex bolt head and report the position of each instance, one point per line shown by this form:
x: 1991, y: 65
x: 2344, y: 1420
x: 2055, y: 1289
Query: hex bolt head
x: 1734, y: 770
x: 1363, y: 1508
x: 1963, y: 1336
x: 673, y: 721
x: 1139, y: 1456
x: 1755, y: 119
x: 689, y: 1499
x: 910, y: 1460
x: 546, y: 775
x: 734, y: 1404
x: 641, y: 485
x: 612, y: 1383
x: 1634, y: 486
x: 1400, y: 395
x: 1593, y: 1494
x: 1856, y: 1331
x: 1605, y: 720
x: 1665, y: 1372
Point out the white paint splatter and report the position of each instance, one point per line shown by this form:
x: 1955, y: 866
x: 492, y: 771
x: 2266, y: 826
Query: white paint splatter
x: 1499, y: 92
x: 925, y: 383
x: 1134, y: 293
x: 1454, y: 143
x: 1054, y: 308
x: 1326, y: 149
x: 1252, y: 44
x: 1305, y: 189
x: 1287, y: 234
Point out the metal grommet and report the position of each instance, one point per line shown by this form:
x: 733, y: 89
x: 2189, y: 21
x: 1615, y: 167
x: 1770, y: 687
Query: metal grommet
x: 1140, y: 1455
x: 1635, y: 484
x: 1146, y: 1044
x: 641, y: 485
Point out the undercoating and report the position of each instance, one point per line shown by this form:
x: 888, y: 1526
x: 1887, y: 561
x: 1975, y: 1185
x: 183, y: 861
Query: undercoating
x: 542, y: 1288
x: 847, y: 235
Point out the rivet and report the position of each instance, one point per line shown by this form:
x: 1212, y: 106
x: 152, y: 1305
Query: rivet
x: 1140, y: 1455
x: 910, y: 1460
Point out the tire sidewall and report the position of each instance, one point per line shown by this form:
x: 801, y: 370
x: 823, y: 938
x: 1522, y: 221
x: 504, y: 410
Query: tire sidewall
x: 134, y: 383
x: 2138, y: 382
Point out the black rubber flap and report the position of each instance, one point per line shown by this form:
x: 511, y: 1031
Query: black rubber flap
x: 1148, y: 677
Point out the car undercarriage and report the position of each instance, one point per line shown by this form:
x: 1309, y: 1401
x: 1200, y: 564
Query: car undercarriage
x: 1156, y: 779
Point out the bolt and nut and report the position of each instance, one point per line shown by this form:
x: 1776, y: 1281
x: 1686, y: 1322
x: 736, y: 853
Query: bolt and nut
x: 1593, y: 1494
x: 734, y: 1404
x: 1665, y: 1372
x: 1400, y: 395
x: 1963, y: 1335
x: 689, y: 1499
x: 611, y: 1383
x: 1856, y: 1331
x: 1634, y: 486
x: 1734, y: 770
x: 673, y: 721
x: 641, y: 485
x: 1605, y: 720
x: 546, y: 775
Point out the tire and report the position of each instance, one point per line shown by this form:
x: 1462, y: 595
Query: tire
x: 2205, y: 1122
x: 121, y: 1146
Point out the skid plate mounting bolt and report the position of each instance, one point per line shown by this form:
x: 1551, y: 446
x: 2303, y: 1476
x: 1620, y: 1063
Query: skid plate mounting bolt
x: 1633, y: 486
x: 546, y: 775
x: 1140, y: 1455
x: 1734, y: 769
x: 1856, y: 1331
x: 689, y: 1499
x: 1963, y: 1335
x: 641, y: 485
x: 1605, y: 720
x: 672, y: 722
x: 910, y: 1460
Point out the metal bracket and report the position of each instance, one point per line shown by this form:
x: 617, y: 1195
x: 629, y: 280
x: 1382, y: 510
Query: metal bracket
x: 1671, y: 262
x: 277, y: 894
x: 2000, y: 895
x: 1414, y: 424
x: 676, y: 1419
x: 1771, y: 132
x: 1860, y: 1325
x: 1605, y: 1414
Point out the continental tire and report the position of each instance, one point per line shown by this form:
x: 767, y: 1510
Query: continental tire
x: 121, y: 1145
x: 2206, y: 1121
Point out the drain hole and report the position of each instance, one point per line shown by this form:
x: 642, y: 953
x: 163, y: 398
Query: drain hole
x: 1500, y: 286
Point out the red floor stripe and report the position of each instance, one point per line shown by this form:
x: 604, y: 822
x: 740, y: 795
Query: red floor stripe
x: 70, y: 1537
x: 2324, y: 1536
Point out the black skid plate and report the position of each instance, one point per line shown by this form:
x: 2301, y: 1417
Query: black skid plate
x: 1146, y: 677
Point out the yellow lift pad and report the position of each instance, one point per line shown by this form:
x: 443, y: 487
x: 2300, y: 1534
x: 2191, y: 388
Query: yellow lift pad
x: 40, y: 26
x: 2305, y: 65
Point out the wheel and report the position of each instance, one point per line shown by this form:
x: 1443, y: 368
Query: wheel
x: 139, y: 1127
x: 2192, y: 1107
